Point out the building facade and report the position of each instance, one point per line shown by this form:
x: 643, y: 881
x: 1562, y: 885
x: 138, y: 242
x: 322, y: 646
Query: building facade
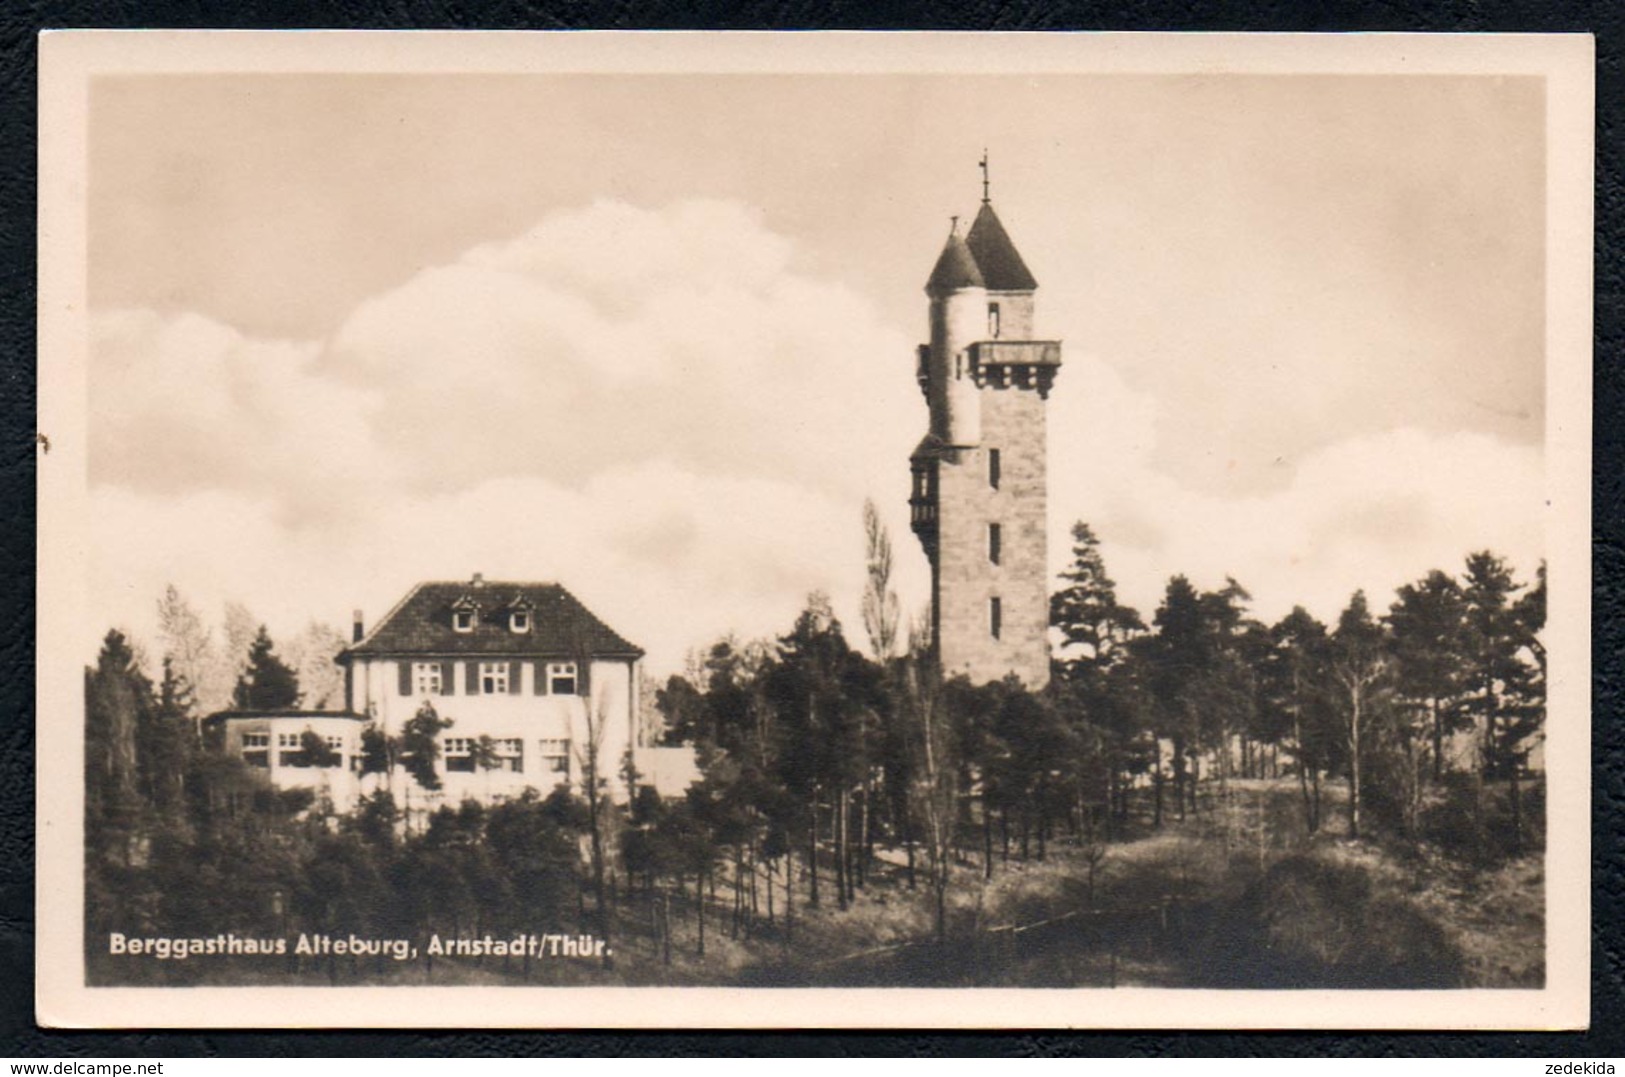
x: 279, y: 742
x: 524, y: 664
x: 537, y: 690
x: 979, y: 500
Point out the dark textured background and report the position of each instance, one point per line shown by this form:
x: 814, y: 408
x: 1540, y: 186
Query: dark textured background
x: 19, y: 22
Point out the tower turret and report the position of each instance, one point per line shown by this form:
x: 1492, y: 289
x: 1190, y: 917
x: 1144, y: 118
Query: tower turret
x: 958, y: 307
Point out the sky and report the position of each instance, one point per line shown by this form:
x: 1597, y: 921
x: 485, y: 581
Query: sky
x: 653, y: 336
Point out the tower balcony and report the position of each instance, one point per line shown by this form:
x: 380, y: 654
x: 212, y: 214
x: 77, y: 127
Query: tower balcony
x: 1021, y: 364
x: 922, y: 520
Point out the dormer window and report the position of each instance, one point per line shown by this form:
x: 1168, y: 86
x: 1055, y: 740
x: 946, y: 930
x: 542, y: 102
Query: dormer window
x: 465, y: 614
x: 519, y: 621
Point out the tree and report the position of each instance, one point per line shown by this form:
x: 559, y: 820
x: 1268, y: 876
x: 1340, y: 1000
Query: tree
x: 232, y: 658
x: 936, y: 791
x: 118, y: 701
x: 1295, y: 675
x: 419, y: 748
x: 1526, y: 690
x: 1428, y: 622
x: 593, y: 786
x: 482, y: 754
x: 1099, y: 686
x: 187, y: 647
x: 266, y: 683
x: 166, y: 737
x: 314, y: 751
x: 311, y: 655
x: 1493, y: 642
x: 880, y: 607
x: 1359, y: 667
x: 1177, y: 656
x: 1093, y: 625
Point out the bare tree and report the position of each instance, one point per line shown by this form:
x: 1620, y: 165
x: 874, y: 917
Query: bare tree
x: 311, y: 654
x: 880, y: 608
x: 1359, y: 666
x: 936, y: 790
x: 187, y: 645
x: 594, y: 782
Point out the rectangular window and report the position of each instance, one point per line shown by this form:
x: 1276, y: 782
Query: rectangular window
x: 556, y: 756
x: 993, y: 468
x: 993, y: 320
x: 511, y: 754
x: 561, y: 678
x: 257, y: 749
x: 335, y: 744
x: 288, y: 753
x: 994, y: 542
x: 426, y: 679
x: 995, y: 616
x: 494, y: 678
x: 459, y: 754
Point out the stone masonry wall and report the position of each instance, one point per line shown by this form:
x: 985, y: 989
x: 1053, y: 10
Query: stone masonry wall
x: 1013, y: 423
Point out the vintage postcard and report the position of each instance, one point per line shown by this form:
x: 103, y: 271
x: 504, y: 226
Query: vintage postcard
x: 690, y: 530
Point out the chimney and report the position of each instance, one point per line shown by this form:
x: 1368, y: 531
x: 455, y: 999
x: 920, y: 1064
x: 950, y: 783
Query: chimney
x: 356, y: 629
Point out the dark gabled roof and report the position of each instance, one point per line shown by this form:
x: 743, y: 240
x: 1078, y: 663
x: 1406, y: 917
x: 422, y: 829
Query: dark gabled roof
x: 560, y: 627
x: 955, y: 268
x: 1001, y: 266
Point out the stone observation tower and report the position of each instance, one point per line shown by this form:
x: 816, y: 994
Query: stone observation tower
x: 979, y: 501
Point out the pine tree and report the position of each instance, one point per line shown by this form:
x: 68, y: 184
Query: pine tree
x: 1429, y: 624
x: 1092, y: 623
x: 267, y: 683
x: 1295, y: 675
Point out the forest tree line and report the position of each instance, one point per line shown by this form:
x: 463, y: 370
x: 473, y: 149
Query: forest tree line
x: 823, y: 765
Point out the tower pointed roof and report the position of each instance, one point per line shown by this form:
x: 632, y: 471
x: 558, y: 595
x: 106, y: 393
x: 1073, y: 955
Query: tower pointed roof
x: 955, y: 268
x: 1002, y: 269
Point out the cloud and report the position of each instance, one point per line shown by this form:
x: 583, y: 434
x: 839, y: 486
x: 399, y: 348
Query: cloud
x: 612, y: 335
x: 659, y: 409
x: 653, y: 407
x: 1372, y: 511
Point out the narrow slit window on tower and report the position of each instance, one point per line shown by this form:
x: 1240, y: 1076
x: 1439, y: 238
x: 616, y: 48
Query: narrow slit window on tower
x: 993, y: 468
x: 994, y: 544
x: 993, y: 320
x: 995, y: 616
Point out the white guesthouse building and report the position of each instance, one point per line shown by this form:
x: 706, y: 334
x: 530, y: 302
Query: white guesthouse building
x: 524, y: 664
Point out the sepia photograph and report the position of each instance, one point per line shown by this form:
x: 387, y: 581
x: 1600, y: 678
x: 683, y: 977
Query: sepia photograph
x: 757, y: 530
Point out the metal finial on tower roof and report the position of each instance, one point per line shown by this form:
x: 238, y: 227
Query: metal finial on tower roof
x: 983, y: 164
x: 953, y: 225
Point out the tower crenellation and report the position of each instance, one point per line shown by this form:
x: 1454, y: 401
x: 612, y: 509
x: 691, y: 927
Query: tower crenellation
x: 979, y: 500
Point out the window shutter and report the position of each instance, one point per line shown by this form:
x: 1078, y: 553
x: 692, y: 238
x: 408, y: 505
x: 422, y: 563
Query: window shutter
x: 448, y: 678
x: 514, y: 687
x: 473, y: 678
x: 541, y: 678
x: 583, y: 683
x: 405, y: 670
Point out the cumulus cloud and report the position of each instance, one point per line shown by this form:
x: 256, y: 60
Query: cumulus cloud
x: 1373, y: 511
x: 652, y: 406
x: 659, y: 409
